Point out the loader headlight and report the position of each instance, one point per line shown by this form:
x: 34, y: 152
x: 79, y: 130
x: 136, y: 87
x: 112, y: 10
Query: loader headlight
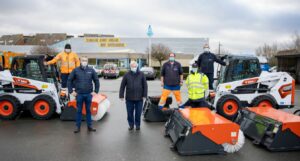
x: 287, y: 88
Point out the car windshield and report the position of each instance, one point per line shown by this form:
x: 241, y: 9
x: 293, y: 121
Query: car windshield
x: 147, y: 69
x: 110, y: 66
x: 95, y: 67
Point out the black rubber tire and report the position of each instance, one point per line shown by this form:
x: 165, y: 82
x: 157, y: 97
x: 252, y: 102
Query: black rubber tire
x: 256, y: 101
x: 155, y: 100
x: 297, y: 112
x: 16, y: 107
x: 51, y: 103
x: 221, y: 102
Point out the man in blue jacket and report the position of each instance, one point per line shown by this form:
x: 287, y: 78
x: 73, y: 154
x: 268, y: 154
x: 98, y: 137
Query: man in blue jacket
x: 206, y: 64
x: 83, y: 78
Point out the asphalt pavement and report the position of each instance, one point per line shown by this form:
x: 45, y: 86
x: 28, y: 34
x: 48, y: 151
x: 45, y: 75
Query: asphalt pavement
x: 26, y: 139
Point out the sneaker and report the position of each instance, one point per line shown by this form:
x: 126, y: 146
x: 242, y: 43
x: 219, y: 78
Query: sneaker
x: 130, y: 128
x: 77, y: 130
x: 90, y: 129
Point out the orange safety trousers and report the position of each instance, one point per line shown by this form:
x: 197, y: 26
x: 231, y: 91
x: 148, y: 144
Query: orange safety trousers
x: 166, y: 93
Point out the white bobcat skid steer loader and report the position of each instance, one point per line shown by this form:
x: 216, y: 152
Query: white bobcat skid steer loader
x: 29, y: 86
x: 243, y: 84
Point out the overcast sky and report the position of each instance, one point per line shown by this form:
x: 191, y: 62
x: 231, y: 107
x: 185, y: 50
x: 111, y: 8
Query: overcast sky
x: 240, y: 25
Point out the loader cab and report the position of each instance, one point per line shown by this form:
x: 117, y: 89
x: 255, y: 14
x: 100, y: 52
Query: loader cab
x: 32, y: 67
x: 238, y: 68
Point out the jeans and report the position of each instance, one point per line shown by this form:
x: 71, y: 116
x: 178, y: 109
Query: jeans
x: 64, y: 80
x: 86, y: 100
x: 210, y: 79
x: 134, y: 112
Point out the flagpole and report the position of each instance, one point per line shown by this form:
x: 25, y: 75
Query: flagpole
x: 150, y: 34
x: 150, y: 48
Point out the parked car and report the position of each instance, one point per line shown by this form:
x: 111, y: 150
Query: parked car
x: 149, y: 72
x: 110, y: 71
x: 273, y: 69
x: 97, y: 69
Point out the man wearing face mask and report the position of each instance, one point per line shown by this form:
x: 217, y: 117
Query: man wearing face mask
x: 171, y: 81
x: 69, y: 61
x: 197, y: 84
x: 83, y: 77
x: 135, y: 84
x: 206, y: 64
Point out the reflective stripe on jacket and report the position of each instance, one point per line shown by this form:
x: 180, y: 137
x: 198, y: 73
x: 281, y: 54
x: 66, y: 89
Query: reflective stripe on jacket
x: 197, y: 85
x: 68, y: 62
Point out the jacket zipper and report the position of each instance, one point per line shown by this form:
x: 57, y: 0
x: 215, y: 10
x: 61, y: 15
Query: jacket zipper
x: 68, y: 62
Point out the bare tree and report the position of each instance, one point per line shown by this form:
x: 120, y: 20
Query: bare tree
x: 159, y: 52
x: 296, y: 41
x: 222, y: 51
x: 268, y: 51
x: 45, y: 50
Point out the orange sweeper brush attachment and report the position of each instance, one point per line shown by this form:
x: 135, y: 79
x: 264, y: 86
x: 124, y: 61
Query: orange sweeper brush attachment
x: 201, y: 131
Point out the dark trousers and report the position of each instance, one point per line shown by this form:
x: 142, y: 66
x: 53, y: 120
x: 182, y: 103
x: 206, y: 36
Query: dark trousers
x: 87, y: 100
x: 134, y: 112
x: 196, y: 103
x: 210, y: 79
x: 64, y: 80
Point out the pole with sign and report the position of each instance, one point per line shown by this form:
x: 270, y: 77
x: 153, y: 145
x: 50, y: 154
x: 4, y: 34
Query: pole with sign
x: 150, y: 34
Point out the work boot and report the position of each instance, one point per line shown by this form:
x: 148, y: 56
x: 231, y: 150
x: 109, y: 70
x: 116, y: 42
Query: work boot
x: 130, y: 128
x: 77, y: 130
x: 90, y: 129
x: 137, y: 128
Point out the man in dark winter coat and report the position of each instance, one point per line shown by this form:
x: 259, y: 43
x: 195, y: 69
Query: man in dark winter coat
x: 135, y: 84
x: 206, y: 64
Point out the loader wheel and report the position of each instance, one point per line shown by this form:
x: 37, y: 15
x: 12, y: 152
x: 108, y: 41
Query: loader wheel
x: 42, y: 107
x: 228, y: 106
x: 264, y: 101
x: 9, y: 107
x: 297, y: 112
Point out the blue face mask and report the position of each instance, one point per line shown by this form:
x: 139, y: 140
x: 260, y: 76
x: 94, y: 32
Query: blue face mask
x: 194, y: 70
x: 172, y: 59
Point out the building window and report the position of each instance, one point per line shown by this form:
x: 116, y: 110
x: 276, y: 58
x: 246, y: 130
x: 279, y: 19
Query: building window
x: 142, y: 62
x: 92, y: 61
x: 123, y: 63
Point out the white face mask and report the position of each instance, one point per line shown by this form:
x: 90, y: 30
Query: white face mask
x: 67, y: 50
x: 133, y: 69
x: 206, y: 49
x: 84, y: 63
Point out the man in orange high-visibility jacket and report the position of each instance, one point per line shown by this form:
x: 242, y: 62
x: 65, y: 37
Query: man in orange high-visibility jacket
x: 69, y: 61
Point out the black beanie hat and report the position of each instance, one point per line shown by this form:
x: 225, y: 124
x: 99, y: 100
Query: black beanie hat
x: 194, y: 65
x: 67, y: 46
